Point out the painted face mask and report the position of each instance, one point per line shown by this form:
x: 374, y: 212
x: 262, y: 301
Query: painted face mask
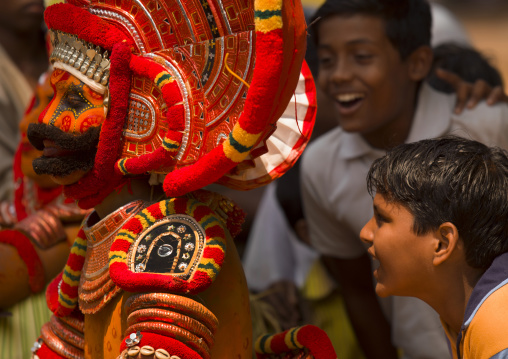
x: 75, y: 107
x: 68, y: 130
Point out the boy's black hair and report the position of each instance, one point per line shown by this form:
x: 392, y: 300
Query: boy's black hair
x: 408, y: 22
x: 450, y: 179
x: 466, y: 62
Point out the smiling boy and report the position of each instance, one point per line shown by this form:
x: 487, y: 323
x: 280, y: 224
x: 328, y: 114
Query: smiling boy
x: 439, y: 232
x: 373, y: 58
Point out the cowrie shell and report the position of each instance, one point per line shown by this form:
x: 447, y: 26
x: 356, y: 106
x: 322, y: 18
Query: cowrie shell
x: 147, y: 350
x: 162, y: 354
x: 132, y: 352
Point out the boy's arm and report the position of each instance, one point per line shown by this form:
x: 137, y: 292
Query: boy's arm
x: 369, y: 323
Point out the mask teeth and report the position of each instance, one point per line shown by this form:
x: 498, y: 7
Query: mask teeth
x: 90, y: 60
x: 77, y: 45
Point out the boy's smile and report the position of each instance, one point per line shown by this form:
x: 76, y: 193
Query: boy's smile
x: 363, y: 73
x: 404, y: 257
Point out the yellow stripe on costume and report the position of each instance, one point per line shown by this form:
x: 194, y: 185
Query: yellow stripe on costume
x: 209, y: 243
x: 143, y: 221
x: 76, y: 273
x: 245, y: 141
x: 125, y: 238
x: 290, y: 339
x: 68, y: 280
x: 121, y: 257
x: 168, y: 143
x: 267, y: 25
x: 206, y: 262
x: 245, y: 138
x: 163, y: 78
x: 77, y: 251
x: 149, y: 216
x: 120, y: 164
x: 162, y: 207
x: 67, y: 298
x: 271, y: 5
x: 266, y: 346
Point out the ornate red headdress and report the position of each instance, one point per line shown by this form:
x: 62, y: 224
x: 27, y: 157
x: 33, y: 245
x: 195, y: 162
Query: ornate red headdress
x: 196, y: 89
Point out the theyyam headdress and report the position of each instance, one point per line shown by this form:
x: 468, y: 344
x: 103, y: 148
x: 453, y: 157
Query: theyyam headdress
x: 202, y: 91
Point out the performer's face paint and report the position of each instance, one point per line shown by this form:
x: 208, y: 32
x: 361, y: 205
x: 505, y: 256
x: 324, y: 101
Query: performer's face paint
x: 75, y: 107
x: 68, y: 131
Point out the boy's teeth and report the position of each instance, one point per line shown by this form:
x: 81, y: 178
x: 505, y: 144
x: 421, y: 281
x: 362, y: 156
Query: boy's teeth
x: 349, y: 97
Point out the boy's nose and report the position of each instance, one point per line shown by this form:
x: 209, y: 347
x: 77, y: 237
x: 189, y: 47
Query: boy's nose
x: 342, y: 72
x: 366, y: 234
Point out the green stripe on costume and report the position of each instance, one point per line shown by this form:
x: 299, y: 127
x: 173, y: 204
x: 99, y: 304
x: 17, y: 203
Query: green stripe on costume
x: 266, y: 14
x: 74, y: 278
x: 147, y: 218
x: 170, y: 145
x: 162, y: 79
x: 263, y: 346
x: 209, y: 221
x: 69, y: 302
x: 215, y: 242
x: 79, y: 246
x: 208, y: 267
x: 121, y: 166
x: 237, y: 145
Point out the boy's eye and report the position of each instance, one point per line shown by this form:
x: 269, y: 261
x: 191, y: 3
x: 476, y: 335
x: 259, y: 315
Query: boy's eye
x: 325, y: 60
x: 380, y: 219
x: 363, y: 58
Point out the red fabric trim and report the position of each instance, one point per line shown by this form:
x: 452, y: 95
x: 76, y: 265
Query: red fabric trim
x: 180, y: 205
x: 19, y: 179
x: 47, y: 195
x: 199, y: 282
x: 134, y: 226
x: 176, y: 118
x: 77, y: 21
x: 207, y: 170
x: 148, y: 68
x: 52, y: 293
x: 215, y: 253
x: 173, y: 346
x: 317, y: 341
x: 75, y: 262
x: 144, y: 282
x: 152, y: 161
x: 28, y: 255
x: 45, y: 352
x: 102, y: 179
x: 310, y: 337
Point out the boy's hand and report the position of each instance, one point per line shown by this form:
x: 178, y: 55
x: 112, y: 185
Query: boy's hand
x: 469, y: 94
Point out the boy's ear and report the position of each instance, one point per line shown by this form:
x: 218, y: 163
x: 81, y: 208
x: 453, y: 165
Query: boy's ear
x: 420, y: 62
x: 446, y: 241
